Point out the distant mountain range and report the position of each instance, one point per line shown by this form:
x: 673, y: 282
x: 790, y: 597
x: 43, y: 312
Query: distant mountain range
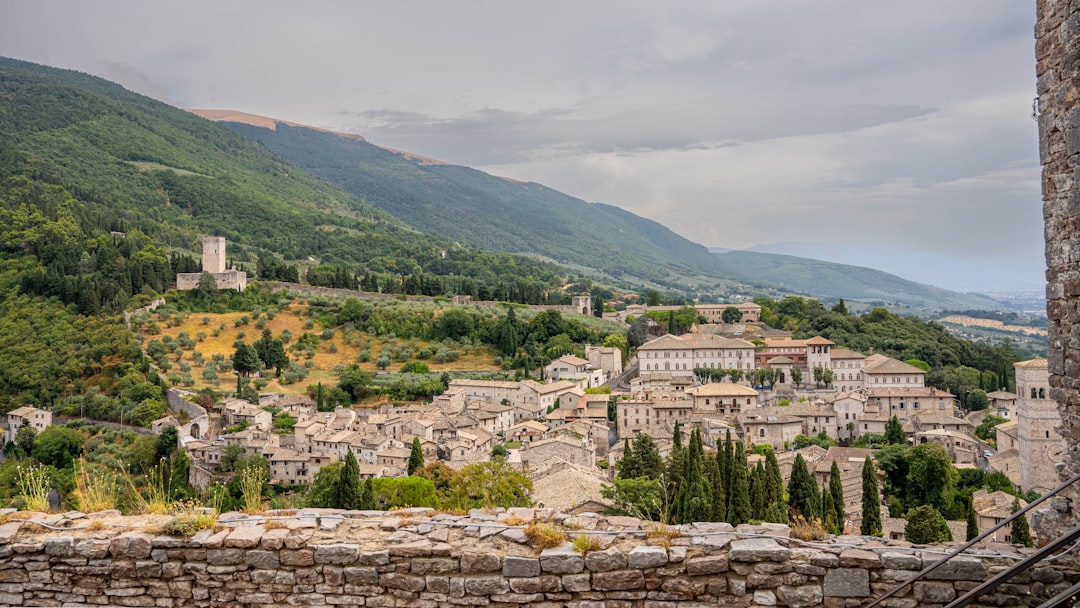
x: 857, y: 283
x: 491, y: 212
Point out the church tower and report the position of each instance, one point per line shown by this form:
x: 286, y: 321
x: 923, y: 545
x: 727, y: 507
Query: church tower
x: 1038, y: 441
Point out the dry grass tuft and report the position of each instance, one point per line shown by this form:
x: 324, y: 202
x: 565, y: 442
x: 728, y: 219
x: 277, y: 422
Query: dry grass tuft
x: 514, y: 520
x: 804, y: 529
x: 544, y: 536
x: 95, y: 524
x: 584, y: 544
x: 273, y: 524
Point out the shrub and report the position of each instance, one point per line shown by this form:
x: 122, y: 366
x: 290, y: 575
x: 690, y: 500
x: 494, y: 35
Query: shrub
x: 925, y: 525
x: 544, y: 536
x: 584, y: 544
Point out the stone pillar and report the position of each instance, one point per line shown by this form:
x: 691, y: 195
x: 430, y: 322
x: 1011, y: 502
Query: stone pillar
x: 1057, y: 53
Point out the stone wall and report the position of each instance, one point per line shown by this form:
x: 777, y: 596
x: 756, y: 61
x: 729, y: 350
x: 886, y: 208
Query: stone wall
x: 421, y: 559
x: 1057, y: 54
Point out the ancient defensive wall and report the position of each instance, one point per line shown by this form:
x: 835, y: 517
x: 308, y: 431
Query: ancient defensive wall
x: 423, y: 559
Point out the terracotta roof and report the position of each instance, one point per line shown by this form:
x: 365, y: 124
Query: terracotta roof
x: 844, y: 353
x: 816, y: 340
x: 908, y: 391
x: 694, y: 341
x: 1036, y: 363
x: 570, y: 360
x: 892, y: 366
x: 781, y: 360
x: 1005, y: 395
x: 722, y: 389
x: 994, y: 504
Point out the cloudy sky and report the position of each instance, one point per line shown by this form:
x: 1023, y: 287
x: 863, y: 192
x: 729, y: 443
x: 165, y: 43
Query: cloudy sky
x: 896, y: 135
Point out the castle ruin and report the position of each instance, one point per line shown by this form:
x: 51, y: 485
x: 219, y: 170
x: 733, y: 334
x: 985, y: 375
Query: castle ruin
x: 213, y: 261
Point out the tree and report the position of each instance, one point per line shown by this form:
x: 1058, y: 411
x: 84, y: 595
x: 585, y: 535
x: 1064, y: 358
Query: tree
x: 930, y: 478
x: 925, y: 525
x: 731, y: 315
x: 346, y: 492
x: 894, y: 432
x: 775, y: 485
x: 495, y: 483
x: 871, y: 504
x: 206, y: 289
x: 499, y: 451
x: 648, y: 457
x: 972, y: 521
x: 508, y: 333
x: 986, y: 430
x: 638, y: 497
x: 229, y: 456
x: 840, y: 307
x: 1021, y: 532
x: 977, y: 400
x: 58, y: 446
x: 739, y: 506
x: 836, y: 489
x: 246, y: 360
x: 25, y: 436
x: 695, y: 502
x: 796, y: 376
x: 638, y: 332
x: 802, y: 491
x: 166, y: 441
x: 416, y: 456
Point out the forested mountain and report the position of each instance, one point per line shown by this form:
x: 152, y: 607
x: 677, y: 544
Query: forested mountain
x: 822, y: 279
x: 490, y: 212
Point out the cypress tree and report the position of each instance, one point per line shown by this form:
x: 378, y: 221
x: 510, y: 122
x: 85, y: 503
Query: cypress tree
x: 836, y: 488
x: 829, y: 520
x: 719, y: 494
x: 775, y: 488
x: 696, y: 500
x: 802, y: 491
x: 727, y: 464
x: 346, y: 493
x: 894, y: 432
x: 871, y: 504
x: 674, y: 480
x: 739, y: 508
x: 759, y: 501
x: 1021, y: 533
x: 647, y: 457
x: 972, y: 521
x: 416, y: 456
x: 628, y: 466
x: 676, y: 438
x: 367, y: 501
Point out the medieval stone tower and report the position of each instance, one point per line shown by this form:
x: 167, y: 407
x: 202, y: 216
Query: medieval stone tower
x: 213, y: 254
x: 1038, y: 441
x: 582, y: 305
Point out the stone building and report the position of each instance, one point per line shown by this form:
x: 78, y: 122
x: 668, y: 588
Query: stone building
x: 37, y: 418
x: 1037, y: 416
x: 213, y: 261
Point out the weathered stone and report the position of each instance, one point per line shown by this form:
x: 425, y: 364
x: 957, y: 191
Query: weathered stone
x: 520, y: 566
x: 420, y: 548
x: 297, y: 539
x: 60, y: 546
x: 245, y: 537
x: 619, y: 580
x: 859, y: 558
x: 561, y: 560
x: 605, y: 561
x: 647, y: 557
x: 929, y: 592
x: 263, y: 560
x: 764, y: 597
x: 222, y: 557
x: 480, y: 562
x: 713, y: 564
x: 1046, y: 575
x: 8, y: 531
x: 758, y: 549
x: 131, y: 545
x: 374, y: 558
x: 437, y: 584
x: 486, y: 585
x: 847, y: 582
x: 406, y: 582
x: 361, y: 576
x: 960, y: 568
x: 340, y: 554
x: 536, y: 584
x: 297, y: 557
x: 516, y: 535
x: 801, y: 596
x: 896, y: 560
x: 432, y: 565
x: 576, y: 583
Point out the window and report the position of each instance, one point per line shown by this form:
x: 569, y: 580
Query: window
x: 761, y: 432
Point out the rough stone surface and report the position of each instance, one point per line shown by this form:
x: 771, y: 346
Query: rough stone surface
x: 359, y: 563
x: 847, y: 582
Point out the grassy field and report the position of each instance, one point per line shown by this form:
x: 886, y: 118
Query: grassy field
x: 293, y: 319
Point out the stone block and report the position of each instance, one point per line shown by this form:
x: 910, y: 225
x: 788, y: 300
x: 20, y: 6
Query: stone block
x: 419, y: 548
x: 647, y: 557
x: 801, y: 596
x: 536, y: 584
x: 245, y: 537
x: 930, y: 592
x: 374, y: 558
x: 758, y: 550
x: 859, y: 558
x: 60, y: 546
x: 520, y: 566
x: 486, y: 585
x: 619, y: 580
x: 432, y: 565
x: 960, y: 568
x: 847, y: 582
x: 576, y: 583
x: 263, y: 560
x: 896, y: 560
x: 224, y: 557
x: 480, y: 562
x: 607, y: 560
x: 405, y: 582
x: 297, y: 557
x: 561, y: 560
x: 131, y: 545
x: 713, y: 564
x: 764, y: 597
x: 340, y: 554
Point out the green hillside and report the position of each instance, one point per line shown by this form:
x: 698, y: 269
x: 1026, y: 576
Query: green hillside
x: 829, y: 280
x: 490, y: 212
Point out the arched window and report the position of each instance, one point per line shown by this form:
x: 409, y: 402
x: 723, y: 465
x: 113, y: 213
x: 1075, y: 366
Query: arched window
x: 1042, y: 393
x: 761, y: 432
x: 1033, y: 392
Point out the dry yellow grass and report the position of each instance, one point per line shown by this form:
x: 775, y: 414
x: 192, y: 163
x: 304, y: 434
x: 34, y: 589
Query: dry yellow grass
x: 292, y: 319
x: 991, y: 324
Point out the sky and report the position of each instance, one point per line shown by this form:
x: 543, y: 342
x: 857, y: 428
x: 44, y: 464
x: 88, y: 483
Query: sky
x: 895, y: 135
